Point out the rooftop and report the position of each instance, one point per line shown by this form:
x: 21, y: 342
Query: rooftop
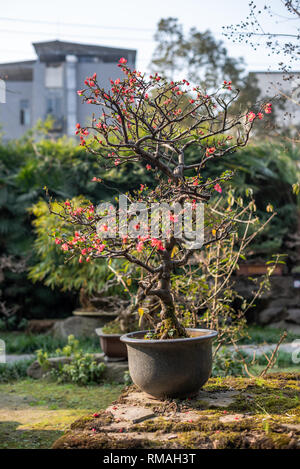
x: 57, y: 50
x: 17, y: 71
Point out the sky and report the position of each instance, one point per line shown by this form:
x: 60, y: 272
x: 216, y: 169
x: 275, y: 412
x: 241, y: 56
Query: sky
x: 127, y: 23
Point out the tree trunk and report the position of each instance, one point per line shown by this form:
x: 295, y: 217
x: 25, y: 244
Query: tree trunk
x: 169, y: 327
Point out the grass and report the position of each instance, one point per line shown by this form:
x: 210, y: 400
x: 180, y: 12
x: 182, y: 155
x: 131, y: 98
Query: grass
x: 33, y: 414
x: 268, y: 335
x: 21, y: 343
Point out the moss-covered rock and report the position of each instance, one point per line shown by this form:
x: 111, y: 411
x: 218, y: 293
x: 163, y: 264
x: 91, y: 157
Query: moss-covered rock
x: 227, y: 413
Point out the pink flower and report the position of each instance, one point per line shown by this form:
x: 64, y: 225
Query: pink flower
x: 218, y: 188
x: 157, y: 243
x: 148, y: 167
x: 251, y: 116
x: 122, y: 61
x: 58, y: 241
x: 65, y: 247
x: 268, y: 108
x: 140, y: 246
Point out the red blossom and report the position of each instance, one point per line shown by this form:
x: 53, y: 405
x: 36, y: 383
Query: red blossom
x: 210, y: 151
x: 218, y: 188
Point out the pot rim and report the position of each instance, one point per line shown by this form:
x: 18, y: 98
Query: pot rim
x: 99, y: 333
x: 129, y: 338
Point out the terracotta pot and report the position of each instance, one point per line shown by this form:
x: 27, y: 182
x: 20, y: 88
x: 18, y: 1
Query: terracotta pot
x: 258, y: 269
x: 111, y: 345
x: 170, y: 368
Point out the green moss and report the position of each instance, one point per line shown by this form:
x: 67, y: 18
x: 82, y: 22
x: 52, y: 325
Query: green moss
x: 264, y: 409
x: 102, y: 441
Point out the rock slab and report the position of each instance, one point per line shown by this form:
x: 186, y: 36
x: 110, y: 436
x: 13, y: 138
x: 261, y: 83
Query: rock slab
x: 238, y: 413
x: 79, y: 326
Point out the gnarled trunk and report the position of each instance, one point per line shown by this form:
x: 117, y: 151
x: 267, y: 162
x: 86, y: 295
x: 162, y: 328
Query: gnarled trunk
x: 169, y: 326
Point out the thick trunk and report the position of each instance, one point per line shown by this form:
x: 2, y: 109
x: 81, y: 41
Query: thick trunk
x: 169, y: 327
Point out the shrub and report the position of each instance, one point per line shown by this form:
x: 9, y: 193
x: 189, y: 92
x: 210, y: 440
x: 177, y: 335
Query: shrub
x: 82, y: 370
x: 14, y: 371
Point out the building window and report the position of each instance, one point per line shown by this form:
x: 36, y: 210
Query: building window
x: 24, y: 112
x: 54, y: 107
x: 54, y: 76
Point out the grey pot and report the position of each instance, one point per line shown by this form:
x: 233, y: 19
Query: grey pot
x: 174, y: 368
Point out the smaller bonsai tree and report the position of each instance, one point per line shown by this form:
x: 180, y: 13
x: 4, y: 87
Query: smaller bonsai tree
x: 152, y: 122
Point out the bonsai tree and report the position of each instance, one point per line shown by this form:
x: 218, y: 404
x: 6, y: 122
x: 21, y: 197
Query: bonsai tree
x: 141, y: 120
